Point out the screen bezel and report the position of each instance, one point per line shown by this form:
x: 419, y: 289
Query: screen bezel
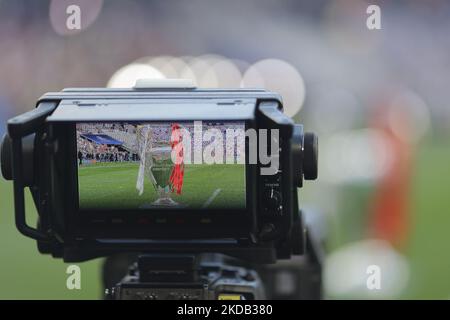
x: 160, y: 224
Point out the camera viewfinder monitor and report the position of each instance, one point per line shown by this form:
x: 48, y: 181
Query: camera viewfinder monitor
x: 165, y: 165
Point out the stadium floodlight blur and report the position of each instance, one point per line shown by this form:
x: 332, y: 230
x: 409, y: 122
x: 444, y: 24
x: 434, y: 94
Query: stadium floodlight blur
x: 208, y: 71
x: 127, y: 76
x: 215, y: 71
x: 165, y: 64
x: 280, y: 76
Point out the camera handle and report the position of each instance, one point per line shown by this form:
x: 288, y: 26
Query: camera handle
x: 18, y: 128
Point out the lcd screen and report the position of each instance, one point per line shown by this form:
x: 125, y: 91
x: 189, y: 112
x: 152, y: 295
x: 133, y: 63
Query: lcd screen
x: 161, y: 165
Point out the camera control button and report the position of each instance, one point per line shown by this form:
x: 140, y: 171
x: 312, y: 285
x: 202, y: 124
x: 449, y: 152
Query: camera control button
x: 272, y: 199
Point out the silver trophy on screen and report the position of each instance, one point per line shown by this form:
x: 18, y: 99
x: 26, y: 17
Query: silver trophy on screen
x: 154, y: 145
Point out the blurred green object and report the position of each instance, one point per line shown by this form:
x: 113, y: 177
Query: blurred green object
x: 427, y: 248
x: 25, y: 273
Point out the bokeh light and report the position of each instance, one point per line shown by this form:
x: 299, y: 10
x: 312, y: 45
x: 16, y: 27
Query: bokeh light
x: 198, y: 69
x: 126, y: 76
x: 223, y: 71
x: 279, y: 76
x: 408, y: 109
x: 345, y: 271
x: 163, y: 64
x: 354, y: 156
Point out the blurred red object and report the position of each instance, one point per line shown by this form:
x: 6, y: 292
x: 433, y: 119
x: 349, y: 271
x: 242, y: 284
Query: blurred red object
x: 390, y: 213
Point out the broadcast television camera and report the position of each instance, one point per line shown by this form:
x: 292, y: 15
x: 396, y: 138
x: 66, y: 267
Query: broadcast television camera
x: 100, y: 167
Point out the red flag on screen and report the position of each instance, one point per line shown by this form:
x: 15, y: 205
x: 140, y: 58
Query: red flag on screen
x: 176, y: 177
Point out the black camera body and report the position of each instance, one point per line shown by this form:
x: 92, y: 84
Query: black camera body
x: 40, y: 152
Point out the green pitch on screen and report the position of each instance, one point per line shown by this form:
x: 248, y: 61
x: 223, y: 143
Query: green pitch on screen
x: 113, y: 185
